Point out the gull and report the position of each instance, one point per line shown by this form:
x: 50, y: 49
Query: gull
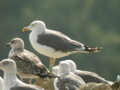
x: 67, y: 80
x: 54, y: 44
x: 87, y: 76
x: 10, y: 78
x: 1, y: 84
x: 28, y: 64
x: 35, y: 70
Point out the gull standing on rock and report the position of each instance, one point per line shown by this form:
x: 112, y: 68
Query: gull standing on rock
x: 28, y: 64
x: 10, y: 78
x: 52, y: 43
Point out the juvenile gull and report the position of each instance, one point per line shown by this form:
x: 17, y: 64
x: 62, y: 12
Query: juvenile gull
x: 87, y: 76
x: 67, y: 80
x: 52, y: 43
x: 10, y: 79
x: 28, y: 64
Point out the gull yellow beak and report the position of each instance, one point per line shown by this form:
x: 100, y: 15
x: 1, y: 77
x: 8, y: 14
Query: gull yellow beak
x: 26, y: 29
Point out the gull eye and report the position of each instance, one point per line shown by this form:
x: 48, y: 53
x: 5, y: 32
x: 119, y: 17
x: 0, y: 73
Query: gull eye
x: 5, y: 63
x: 33, y: 24
x: 13, y: 41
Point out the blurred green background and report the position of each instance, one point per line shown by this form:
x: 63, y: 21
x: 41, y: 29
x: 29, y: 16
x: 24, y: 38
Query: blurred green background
x: 93, y: 22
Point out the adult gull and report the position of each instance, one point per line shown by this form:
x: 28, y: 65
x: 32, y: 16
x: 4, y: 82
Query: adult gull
x: 52, y: 43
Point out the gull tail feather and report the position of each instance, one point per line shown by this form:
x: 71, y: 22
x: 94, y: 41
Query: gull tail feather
x: 93, y: 50
x: 86, y: 49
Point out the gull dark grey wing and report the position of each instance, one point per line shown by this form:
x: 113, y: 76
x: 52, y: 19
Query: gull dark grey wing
x: 58, y: 41
x: 91, y: 77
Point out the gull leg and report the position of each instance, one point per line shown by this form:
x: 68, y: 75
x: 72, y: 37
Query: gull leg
x: 52, y: 62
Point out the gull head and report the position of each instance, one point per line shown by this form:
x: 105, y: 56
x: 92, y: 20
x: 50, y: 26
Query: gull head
x: 64, y: 68
x: 35, y: 25
x: 8, y: 65
x: 72, y: 65
x: 16, y: 43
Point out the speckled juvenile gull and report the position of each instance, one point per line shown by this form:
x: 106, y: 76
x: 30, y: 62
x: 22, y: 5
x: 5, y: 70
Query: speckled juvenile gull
x: 52, y: 43
x: 28, y: 64
x: 1, y: 84
x: 87, y: 76
x: 67, y: 80
x: 10, y: 79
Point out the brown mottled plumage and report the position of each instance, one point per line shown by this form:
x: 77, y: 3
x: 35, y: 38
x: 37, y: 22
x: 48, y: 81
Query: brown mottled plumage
x: 28, y: 64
